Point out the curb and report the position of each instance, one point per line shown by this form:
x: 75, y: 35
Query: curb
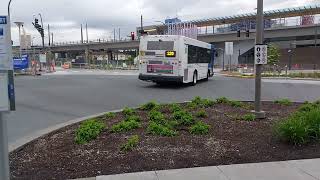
x: 278, y: 78
x: 20, y: 143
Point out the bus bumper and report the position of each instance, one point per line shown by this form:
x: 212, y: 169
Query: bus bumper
x: 157, y: 78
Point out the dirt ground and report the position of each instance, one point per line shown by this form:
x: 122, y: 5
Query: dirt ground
x: 230, y: 141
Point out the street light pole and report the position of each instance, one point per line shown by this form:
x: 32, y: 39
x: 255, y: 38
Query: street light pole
x: 259, y: 41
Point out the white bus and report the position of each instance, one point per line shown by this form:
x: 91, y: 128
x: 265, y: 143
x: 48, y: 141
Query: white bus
x: 173, y: 58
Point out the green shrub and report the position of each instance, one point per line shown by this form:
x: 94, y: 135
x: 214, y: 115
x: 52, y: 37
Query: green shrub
x: 128, y: 111
x: 192, y: 105
x: 201, y: 114
x: 157, y: 117
x: 293, y: 131
x: 197, y: 100
x: 235, y: 103
x: 300, y: 128
x: 150, y: 106
x: 183, y: 118
x: 110, y: 115
x: 160, y: 130
x: 284, y: 102
x: 88, y: 131
x: 249, y: 117
x: 132, y: 142
x: 133, y: 118
x: 222, y: 100
x: 199, y: 128
x: 174, y: 107
x: 208, y: 103
x: 125, y: 126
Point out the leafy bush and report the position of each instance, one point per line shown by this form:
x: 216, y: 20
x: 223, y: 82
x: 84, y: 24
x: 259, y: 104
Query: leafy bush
x: 201, y: 114
x: 128, y: 111
x: 130, y: 144
x: 284, y: 102
x: 301, y: 127
x: 235, y: 103
x: 192, y: 105
x: 110, y: 115
x: 183, y: 118
x: 175, y: 107
x: 197, y: 100
x: 200, y: 128
x: 208, y: 103
x: 125, y: 126
x: 133, y: 118
x: 88, y: 131
x: 160, y: 130
x: 249, y: 117
x: 222, y: 100
x: 149, y: 106
x: 157, y: 117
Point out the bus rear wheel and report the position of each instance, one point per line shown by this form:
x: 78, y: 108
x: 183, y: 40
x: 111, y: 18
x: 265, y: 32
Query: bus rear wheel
x: 195, y: 78
x: 208, y: 75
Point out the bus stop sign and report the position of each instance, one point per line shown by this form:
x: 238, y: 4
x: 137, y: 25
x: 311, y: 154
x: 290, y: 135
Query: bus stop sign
x: 261, y: 54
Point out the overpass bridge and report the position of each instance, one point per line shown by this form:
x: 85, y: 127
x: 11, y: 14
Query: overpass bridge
x: 302, y: 32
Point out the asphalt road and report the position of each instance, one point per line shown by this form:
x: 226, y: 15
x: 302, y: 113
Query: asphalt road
x: 49, y: 100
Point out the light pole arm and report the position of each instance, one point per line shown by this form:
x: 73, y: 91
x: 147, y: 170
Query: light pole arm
x: 9, y: 8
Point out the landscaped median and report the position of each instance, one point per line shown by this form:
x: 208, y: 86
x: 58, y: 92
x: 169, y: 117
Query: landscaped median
x: 202, y: 132
x: 297, y: 75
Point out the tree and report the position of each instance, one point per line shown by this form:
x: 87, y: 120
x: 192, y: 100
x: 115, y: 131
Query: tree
x: 273, y: 54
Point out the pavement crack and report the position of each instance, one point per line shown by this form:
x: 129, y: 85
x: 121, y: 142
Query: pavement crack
x: 223, y: 173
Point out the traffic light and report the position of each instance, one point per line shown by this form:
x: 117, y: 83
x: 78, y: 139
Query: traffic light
x: 38, y: 27
x: 248, y: 33
x: 238, y: 33
x: 132, y: 36
x: 36, y: 21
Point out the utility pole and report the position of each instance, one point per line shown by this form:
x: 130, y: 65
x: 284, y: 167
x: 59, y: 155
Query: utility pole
x: 87, y: 33
x: 81, y: 34
x: 259, y: 41
x: 49, y: 34
x: 51, y: 38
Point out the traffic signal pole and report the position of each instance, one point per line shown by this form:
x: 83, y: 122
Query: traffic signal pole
x: 259, y: 41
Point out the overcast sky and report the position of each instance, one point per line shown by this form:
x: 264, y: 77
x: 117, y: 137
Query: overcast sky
x: 102, y: 16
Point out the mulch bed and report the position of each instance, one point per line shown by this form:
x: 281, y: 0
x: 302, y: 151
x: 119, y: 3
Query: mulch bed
x: 230, y: 141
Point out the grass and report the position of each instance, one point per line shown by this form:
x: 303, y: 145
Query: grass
x: 199, y: 128
x: 284, y: 102
x: 132, y: 142
x: 222, y: 100
x: 88, y: 131
x: 249, y: 117
x: 302, y: 127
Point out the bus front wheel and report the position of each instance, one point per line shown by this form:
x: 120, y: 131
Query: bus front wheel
x: 195, y: 78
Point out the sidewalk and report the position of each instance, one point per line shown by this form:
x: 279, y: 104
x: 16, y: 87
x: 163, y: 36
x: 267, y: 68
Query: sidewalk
x: 286, y: 170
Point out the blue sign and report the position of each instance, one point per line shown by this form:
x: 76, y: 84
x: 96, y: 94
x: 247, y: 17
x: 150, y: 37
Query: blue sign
x: 3, y: 20
x: 21, y: 63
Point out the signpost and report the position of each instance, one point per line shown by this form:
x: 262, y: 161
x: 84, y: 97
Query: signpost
x: 260, y: 59
x: 229, y: 51
x: 6, y: 92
